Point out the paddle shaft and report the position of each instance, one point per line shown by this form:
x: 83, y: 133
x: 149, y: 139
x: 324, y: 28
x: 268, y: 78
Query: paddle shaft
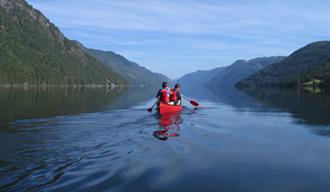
x: 150, y: 109
x: 185, y: 98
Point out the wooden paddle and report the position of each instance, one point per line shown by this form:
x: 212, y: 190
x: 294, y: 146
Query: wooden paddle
x: 193, y: 102
x: 150, y: 109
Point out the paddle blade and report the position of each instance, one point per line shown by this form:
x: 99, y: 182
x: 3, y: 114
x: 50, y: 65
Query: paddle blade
x: 194, y: 103
x: 150, y: 109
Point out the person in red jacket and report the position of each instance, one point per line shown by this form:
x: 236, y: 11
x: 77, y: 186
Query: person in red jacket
x: 164, y: 93
x: 175, y: 96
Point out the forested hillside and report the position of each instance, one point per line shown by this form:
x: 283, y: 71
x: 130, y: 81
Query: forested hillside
x: 130, y: 71
x: 34, y: 51
x: 309, y: 65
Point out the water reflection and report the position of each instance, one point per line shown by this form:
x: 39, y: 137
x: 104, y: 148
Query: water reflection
x: 219, y: 149
x: 169, y: 126
x: 312, y: 108
x: 308, y: 107
x: 223, y: 94
x: 305, y: 106
x: 17, y: 104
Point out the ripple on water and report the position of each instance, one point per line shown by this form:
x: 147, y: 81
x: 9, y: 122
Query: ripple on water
x: 116, y: 151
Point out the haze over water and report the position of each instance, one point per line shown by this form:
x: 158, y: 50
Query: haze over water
x: 105, y: 140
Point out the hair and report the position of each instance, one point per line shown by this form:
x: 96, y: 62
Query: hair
x: 164, y: 84
x: 177, y: 85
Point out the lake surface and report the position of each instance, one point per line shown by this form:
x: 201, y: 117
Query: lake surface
x: 105, y: 140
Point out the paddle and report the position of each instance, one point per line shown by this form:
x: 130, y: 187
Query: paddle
x: 150, y: 109
x: 193, y: 102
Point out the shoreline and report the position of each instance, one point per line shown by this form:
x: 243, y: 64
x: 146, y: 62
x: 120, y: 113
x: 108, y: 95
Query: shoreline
x: 74, y: 86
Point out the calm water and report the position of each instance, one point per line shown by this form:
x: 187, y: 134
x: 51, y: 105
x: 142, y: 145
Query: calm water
x: 102, y: 140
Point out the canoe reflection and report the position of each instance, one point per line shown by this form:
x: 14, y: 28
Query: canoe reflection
x: 169, y: 126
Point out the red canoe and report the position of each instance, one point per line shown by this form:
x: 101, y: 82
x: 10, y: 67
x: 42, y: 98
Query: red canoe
x: 165, y: 108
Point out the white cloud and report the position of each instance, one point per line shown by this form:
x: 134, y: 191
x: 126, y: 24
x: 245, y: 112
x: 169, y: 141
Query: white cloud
x: 188, y: 16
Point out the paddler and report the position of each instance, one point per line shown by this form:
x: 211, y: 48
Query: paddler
x: 164, y: 93
x: 175, y: 96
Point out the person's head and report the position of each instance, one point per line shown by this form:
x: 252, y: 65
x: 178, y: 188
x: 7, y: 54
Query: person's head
x: 177, y: 86
x: 164, y: 84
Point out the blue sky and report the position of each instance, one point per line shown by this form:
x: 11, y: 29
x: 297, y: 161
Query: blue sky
x: 175, y: 37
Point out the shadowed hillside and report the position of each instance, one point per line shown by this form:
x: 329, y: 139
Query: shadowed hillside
x: 308, y: 66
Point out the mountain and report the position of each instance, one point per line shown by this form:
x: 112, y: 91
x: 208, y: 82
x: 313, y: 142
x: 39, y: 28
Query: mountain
x: 241, y: 69
x: 229, y: 75
x: 34, y: 51
x: 309, y: 65
x: 198, y: 78
x: 132, y: 72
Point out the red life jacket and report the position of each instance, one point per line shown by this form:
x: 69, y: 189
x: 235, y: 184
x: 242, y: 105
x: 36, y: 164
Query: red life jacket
x: 165, y: 95
x: 173, y: 96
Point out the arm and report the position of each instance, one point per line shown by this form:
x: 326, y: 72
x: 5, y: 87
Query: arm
x: 178, y: 95
x: 158, y: 94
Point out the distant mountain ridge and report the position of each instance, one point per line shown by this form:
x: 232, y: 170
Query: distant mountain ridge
x: 199, y: 78
x: 131, y: 71
x: 241, y: 69
x: 308, y: 65
x: 228, y: 75
x: 34, y: 51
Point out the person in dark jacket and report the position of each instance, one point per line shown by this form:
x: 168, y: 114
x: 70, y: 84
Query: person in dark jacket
x: 175, y: 95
